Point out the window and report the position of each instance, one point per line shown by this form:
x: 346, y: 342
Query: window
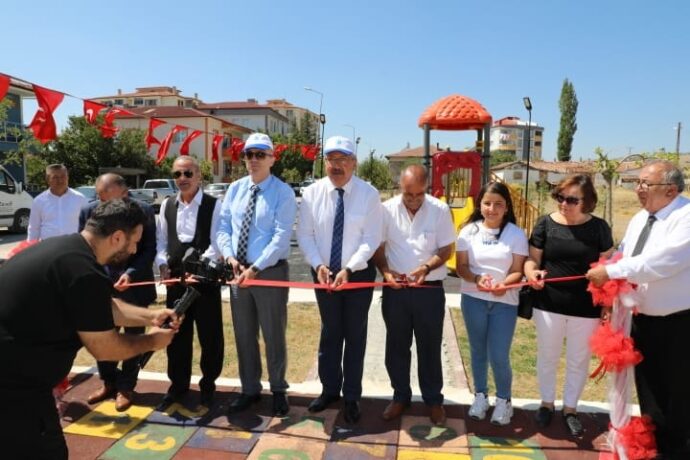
x: 290, y: 114
x: 537, y: 134
x: 138, y: 101
x: 180, y: 103
x: 119, y: 102
x: 179, y: 136
x: 151, y: 102
x: 517, y: 175
x: 537, y: 143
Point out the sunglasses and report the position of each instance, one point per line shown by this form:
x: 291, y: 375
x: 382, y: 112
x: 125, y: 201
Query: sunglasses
x: 573, y: 200
x: 259, y: 154
x: 187, y: 173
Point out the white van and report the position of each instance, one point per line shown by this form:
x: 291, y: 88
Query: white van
x: 15, y: 203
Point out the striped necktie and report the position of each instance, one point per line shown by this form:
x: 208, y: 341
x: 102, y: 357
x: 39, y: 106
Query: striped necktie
x: 337, y: 241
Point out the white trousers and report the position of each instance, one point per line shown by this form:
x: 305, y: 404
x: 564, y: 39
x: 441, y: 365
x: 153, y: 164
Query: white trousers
x: 552, y: 329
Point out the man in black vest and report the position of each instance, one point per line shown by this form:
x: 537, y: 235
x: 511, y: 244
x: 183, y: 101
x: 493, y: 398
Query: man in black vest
x: 190, y: 219
x: 120, y: 383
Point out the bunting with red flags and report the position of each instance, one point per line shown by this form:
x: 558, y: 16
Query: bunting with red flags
x: 165, y: 145
x: 150, y: 138
x: 4, y: 86
x: 108, y: 129
x: 43, y: 123
x: 237, y: 145
x: 91, y: 111
x: 184, y: 150
x: 278, y: 151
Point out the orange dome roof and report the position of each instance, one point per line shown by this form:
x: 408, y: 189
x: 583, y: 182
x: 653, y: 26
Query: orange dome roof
x: 455, y: 113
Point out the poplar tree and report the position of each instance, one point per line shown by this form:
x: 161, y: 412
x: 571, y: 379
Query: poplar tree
x: 568, y: 105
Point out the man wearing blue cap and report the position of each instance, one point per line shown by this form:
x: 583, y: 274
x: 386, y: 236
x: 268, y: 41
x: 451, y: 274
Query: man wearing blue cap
x: 339, y: 230
x: 254, y: 238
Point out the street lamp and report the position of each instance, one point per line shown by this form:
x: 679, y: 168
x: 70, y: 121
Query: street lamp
x: 528, y: 106
x: 322, y: 119
x: 678, y: 128
x: 355, y: 139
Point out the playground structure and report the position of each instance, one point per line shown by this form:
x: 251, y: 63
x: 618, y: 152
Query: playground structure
x: 457, y: 176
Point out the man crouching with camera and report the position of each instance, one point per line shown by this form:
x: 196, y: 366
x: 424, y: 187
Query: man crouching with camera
x: 56, y: 297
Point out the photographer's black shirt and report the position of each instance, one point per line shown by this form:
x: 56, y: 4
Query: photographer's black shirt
x: 48, y: 292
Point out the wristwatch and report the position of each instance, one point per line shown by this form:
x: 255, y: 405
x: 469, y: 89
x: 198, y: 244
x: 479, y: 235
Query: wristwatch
x: 349, y: 271
x: 254, y: 268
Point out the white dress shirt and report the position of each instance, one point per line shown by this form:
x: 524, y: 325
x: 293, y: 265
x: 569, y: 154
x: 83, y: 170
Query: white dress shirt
x: 362, y: 230
x: 662, y: 269
x: 412, y: 241
x: 186, y: 227
x: 53, y: 215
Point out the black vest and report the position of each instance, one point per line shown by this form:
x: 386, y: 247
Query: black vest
x: 202, y: 232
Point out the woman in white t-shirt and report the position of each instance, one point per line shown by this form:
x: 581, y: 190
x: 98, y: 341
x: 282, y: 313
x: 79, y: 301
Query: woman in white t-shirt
x: 491, y: 251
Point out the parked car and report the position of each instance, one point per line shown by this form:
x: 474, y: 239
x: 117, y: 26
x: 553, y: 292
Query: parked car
x: 163, y: 187
x: 146, y: 195
x: 15, y: 203
x: 89, y: 191
x: 295, y: 187
x: 217, y: 190
x: 304, y: 185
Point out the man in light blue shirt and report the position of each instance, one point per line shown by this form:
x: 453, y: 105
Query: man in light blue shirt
x: 254, y: 238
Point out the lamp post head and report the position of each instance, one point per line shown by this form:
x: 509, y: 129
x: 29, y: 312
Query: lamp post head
x: 528, y: 103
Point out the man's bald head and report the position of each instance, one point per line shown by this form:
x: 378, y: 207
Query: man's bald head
x: 110, y: 186
x: 415, y: 174
x: 413, y: 187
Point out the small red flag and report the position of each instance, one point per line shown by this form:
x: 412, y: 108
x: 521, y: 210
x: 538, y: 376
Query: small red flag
x: 309, y: 151
x: 4, y: 86
x: 165, y: 145
x: 109, y: 129
x: 43, y: 123
x: 217, y: 140
x: 150, y: 138
x: 278, y: 150
x: 91, y: 111
x: 237, y: 146
x: 184, y: 150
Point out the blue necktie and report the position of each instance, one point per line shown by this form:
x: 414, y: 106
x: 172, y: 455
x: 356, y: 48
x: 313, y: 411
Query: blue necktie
x: 337, y: 242
x: 243, y: 241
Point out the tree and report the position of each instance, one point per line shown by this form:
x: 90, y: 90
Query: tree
x: 292, y: 159
x: 607, y: 168
x: 501, y: 156
x: 568, y: 106
x: 376, y: 172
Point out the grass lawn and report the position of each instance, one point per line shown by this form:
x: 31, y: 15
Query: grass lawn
x: 523, y: 358
x: 303, y: 329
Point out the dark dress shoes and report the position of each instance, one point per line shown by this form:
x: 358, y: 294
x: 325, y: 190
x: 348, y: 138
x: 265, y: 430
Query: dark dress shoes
x: 123, y: 400
x: 322, y: 402
x: 243, y: 402
x: 394, y: 410
x: 351, y: 412
x: 438, y: 415
x: 206, y: 398
x: 543, y: 417
x: 573, y: 424
x: 280, y: 404
x: 170, y: 398
x: 103, y: 393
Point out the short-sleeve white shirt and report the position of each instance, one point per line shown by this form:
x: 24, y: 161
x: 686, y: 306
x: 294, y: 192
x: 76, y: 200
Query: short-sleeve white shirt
x: 411, y: 241
x: 491, y: 256
x: 53, y: 215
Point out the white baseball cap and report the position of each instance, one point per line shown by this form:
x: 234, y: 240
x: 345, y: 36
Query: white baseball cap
x: 339, y: 144
x: 258, y: 141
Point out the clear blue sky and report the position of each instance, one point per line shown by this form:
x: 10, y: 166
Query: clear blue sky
x: 379, y: 63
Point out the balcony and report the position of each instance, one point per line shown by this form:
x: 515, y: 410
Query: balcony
x: 10, y: 131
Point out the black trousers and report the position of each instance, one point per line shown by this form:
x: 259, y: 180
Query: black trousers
x: 206, y: 313
x: 344, y: 319
x: 124, y: 379
x: 418, y: 312
x: 30, y: 426
x: 663, y: 378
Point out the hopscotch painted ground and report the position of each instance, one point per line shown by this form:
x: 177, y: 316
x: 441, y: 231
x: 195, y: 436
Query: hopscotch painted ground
x: 190, y: 431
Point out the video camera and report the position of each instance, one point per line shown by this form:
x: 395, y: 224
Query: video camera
x: 206, y: 270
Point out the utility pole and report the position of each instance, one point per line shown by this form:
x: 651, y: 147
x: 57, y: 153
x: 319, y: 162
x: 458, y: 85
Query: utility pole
x: 678, y: 128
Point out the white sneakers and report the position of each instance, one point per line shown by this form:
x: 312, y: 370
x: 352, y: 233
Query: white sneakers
x: 503, y: 411
x: 479, y: 407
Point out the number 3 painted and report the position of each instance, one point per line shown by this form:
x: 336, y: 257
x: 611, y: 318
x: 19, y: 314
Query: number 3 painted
x: 137, y: 442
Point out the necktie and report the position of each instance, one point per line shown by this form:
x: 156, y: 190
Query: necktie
x: 243, y: 241
x: 644, y: 234
x: 337, y: 241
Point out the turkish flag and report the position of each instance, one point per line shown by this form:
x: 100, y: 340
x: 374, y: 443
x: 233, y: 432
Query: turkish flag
x: 4, y: 86
x: 91, y: 111
x: 150, y: 138
x: 217, y: 140
x: 43, y: 123
x: 237, y: 146
x: 278, y: 150
x: 165, y: 145
x: 184, y: 150
x: 109, y: 129
x: 309, y: 151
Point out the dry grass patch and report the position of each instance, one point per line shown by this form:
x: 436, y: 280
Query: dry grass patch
x: 303, y: 329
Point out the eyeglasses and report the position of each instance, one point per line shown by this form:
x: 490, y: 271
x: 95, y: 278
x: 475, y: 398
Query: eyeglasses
x: 259, y: 154
x: 572, y: 200
x: 187, y: 173
x: 338, y: 160
x: 644, y: 185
